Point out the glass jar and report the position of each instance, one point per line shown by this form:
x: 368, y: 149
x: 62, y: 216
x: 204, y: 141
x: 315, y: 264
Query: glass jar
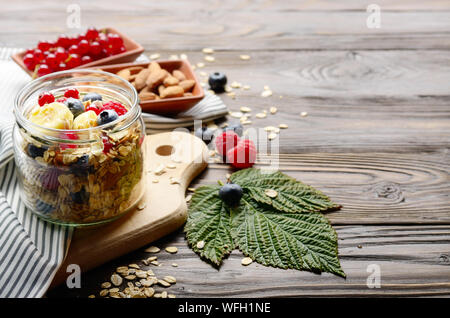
x: 85, y: 176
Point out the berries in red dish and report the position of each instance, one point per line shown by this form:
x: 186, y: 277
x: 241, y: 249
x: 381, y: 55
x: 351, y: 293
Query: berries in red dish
x: 226, y: 141
x: 29, y: 61
x: 95, y: 48
x: 86, y: 59
x: 63, y: 41
x: 43, y: 70
x: 83, y: 47
x: 243, y: 155
x: 91, y: 34
x: 51, y: 61
x: 44, y: 46
x: 73, y: 61
x: 45, y: 98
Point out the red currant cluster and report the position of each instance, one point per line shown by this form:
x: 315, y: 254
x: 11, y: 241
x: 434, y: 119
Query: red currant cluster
x: 70, y: 52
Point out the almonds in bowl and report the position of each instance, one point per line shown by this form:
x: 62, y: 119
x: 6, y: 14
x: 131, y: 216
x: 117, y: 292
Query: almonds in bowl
x: 164, y: 87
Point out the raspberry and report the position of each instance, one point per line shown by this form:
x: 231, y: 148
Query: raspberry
x: 243, y: 155
x: 70, y: 136
x: 72, y: 92
x: 118, y: 107
x: 94, y: 108
x: 226, y: 141
x: 107, y: 145
x: 45, y: 98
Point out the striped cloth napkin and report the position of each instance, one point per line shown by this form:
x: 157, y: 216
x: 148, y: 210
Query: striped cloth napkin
x: 31, y: 250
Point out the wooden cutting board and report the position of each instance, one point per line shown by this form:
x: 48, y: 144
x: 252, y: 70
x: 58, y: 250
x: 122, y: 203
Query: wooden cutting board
x: 165, y: 206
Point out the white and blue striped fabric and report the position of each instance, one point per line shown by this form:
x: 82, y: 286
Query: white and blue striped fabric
x: 31, y: 250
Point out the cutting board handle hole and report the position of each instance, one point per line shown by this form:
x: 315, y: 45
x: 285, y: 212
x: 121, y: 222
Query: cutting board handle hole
x: 165, y: 150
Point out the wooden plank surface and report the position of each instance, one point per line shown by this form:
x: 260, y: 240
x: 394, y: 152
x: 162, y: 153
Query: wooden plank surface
x: 376, y: 138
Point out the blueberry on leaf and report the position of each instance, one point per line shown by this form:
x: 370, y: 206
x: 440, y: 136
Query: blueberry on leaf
x: 92, y: 97
x: 76, y: 106
x: 217, y: 82
x: 231, y: 194
x: 35, y: 151
x: 107, y: 116
x: 204, y: 133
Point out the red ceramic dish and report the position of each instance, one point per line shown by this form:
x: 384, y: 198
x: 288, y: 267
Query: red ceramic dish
x: 167, y: 106
x: 133, y: 51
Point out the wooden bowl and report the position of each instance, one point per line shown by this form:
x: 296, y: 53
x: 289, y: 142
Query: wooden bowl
x: 167, y: 106
x: 133, y: 51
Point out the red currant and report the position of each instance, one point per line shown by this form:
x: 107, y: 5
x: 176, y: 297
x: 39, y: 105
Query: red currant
x: 115, y: 40
x: 45, y: 98
x: 38, y: 55
x: 74, y: 49
x: 122, y: 49
x: 62, y: 66
x: 95, y: 48
x: 29, y: 61
x: 51, y: 61
x: 86, y: 59
x: 73, y: 61
x: 91, y: 33
x: 61, y: 100
x: 63, y: 41
x: 44, y: 46
x: 83, y: 47
x: 43, y: 70
x: 61, y: 54
x: 72, y: 92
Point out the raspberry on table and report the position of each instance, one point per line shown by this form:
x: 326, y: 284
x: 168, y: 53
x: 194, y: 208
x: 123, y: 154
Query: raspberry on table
x: 226, y: 141
x: 243, y: 155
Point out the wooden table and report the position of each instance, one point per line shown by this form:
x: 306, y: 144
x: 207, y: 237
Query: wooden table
x: 376, y: 138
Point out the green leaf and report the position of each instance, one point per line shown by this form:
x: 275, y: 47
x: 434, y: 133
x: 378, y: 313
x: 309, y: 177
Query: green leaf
x: 209, y: 221
x: 304, y: 241
x: 293, y: 195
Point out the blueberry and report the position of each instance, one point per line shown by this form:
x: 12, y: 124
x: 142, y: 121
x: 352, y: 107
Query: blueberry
x: 217, y: 81
x: 205, y: 134
x: 76, y: 106
x: 231, y: 194
x: 107, y: 116
x: 81, y: 166
x: 43, y: 207
x: 80, y: 197
x: 237, y: 128
x: 92, y: 97
x: 34, y: 151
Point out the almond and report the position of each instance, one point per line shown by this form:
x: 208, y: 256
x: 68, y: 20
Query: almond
x: 142, y: 76
x: 147, y: 96
x: 153, y: 67
x: 179, y: 75
x: 171, y: 81
x: 125, y: 74
x: 187, y: 85
x: 156, y: 78
x: 172, y: 91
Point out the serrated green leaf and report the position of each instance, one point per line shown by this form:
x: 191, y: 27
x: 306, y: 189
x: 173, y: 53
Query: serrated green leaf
x: 209, y: 221
x: 293, y: 195
x: 304, y: 241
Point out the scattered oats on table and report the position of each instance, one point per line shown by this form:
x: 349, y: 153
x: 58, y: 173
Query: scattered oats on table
x: 272, y: 136
x: 245, y: 109
x: 244, y: 57
x: 171, y: 249
x: 208, y: 50
x: 266, y: 93
x: 152, y: 249
x: 155, y: 56
x: 188, y: 198
x: 209, y: 58
x: 283, y: 126
x: 273, y: 110
x: 200, y: 65
x: 271, y: 193
x: 246, y: 261
x: 304, y: 114
x: 200, y: 244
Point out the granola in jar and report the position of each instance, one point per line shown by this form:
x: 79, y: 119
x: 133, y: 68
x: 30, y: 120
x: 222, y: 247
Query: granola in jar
x: 83, y: 161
